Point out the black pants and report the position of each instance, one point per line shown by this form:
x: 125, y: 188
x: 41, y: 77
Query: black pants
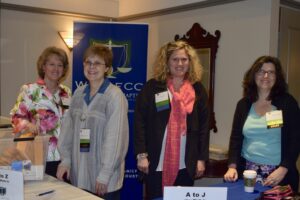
x: 116, y: 195
x: 154, y: 183
x: 51, y: 168
x: 112, y: 195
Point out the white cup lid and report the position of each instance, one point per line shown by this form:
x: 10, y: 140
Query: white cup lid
x: 250, y: 173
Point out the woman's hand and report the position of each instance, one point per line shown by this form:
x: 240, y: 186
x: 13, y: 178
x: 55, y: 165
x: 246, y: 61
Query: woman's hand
x: 101, y: 189
x: 61, y: 171
x: 143, y: 165
x: 200, y: 168
x: 231, y: 175
x: 31, y: 128
x: 276, y: 176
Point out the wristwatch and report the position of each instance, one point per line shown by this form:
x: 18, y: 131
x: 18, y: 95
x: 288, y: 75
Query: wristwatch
x: 141, y: 156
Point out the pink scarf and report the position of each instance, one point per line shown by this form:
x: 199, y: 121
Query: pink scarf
x: 182, y: 104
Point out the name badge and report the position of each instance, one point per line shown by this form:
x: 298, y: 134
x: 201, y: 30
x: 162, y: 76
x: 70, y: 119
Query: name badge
x: 66, y: 102
x: 85, y: 140
x: 162, y: 101
x: 274, y: 119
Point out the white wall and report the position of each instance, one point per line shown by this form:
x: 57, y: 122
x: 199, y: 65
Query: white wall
x: 246, y: 33
x: 140, y: 6
x: 108, y: 8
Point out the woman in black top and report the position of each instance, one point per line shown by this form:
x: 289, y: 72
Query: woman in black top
x: 265, y: 94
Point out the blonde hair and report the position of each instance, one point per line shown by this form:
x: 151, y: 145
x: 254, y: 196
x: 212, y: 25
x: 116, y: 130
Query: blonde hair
x: 43, y: 58
x: 161, y: 69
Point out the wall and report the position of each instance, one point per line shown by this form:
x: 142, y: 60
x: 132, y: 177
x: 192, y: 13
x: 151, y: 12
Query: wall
x: 141, y: 6
x: 246, y: 33
x: 109, y: 8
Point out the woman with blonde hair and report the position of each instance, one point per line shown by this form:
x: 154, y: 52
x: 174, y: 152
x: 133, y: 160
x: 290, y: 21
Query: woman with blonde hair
x: 41, y: 106
x: 171, y: 121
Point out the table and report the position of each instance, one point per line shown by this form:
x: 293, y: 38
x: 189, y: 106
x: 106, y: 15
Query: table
x: 236, y: 190
x: 62, y: 190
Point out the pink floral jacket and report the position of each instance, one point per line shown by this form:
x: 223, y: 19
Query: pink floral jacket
x: 36, y: 104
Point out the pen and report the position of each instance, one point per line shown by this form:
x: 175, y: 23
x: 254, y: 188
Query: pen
x: 44, y: 193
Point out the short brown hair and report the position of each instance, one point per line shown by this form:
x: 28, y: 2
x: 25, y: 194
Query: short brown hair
x: 101, y: 51
x: 43, y: 58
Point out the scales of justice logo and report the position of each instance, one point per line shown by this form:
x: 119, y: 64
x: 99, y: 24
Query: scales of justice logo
x: 121, y: 56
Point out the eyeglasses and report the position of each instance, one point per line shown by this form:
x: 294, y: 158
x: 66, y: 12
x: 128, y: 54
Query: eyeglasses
x: 95, y: 64
x: 262, y: 72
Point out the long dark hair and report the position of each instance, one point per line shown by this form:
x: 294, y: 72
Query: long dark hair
x: 250, y: 87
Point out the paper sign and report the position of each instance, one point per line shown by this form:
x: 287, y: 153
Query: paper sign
x: 195, y: 193
x: 11, y: 185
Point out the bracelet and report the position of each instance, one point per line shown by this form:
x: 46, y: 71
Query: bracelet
x: 141, y: 156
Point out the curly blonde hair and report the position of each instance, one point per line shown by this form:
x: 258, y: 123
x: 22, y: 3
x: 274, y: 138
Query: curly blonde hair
x: 161, y: 71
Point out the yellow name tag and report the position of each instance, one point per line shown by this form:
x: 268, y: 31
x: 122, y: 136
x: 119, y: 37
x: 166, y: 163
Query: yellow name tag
x: 274, y: 119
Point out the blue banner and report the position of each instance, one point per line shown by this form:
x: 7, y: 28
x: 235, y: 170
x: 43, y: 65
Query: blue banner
x: 129, y: 43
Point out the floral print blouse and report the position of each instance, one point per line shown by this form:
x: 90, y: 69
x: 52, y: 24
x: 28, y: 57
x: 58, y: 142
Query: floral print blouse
x: 37, y: 105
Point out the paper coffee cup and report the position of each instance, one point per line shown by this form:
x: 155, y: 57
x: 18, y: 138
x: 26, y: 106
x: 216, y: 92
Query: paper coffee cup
x: 249, y: 180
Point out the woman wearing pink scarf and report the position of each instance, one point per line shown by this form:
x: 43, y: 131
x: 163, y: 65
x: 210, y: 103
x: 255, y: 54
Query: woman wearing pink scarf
x: 171, y: 121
